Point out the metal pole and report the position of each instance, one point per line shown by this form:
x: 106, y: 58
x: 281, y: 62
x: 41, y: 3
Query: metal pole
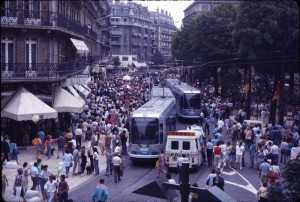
x: 185, y: 186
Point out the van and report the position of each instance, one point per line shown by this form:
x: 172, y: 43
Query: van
x: 184, y: 142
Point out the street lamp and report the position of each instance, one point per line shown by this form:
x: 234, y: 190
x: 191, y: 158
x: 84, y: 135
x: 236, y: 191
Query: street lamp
x: 108, y: 28
x: 104, y: 17
x: 35, y: 118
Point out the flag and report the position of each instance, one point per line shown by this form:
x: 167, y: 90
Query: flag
x: 277, y: 92
x: 246, y: 85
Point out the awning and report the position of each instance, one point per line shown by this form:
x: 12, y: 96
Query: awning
x: 138, y: 65
x: 82, y: 90
x: 23, y: 105
x: 80, y: 46
x: 86, y: 87
x: 66, y: 102
x: 73, y: 92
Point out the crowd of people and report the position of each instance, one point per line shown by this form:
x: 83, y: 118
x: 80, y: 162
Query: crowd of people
x: 103, y: 125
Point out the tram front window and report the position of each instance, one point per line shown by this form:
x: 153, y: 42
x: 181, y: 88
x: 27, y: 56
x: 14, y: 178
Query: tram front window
x: 191, y: 101
x: 144, y: 131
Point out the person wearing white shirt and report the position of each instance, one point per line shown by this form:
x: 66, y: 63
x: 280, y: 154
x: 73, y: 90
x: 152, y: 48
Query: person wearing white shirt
x: 118, y: 149
x: 34, y: 173
x: 239, y: 153
x: 180, y: 160
x: 224, y: 153
x: 50, y: 188
x: 295, y: 151
x: 117, y: 162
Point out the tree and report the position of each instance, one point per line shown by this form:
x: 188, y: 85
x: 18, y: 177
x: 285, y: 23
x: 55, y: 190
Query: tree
x: 291, y: 183
x: 181, y: 44
x: 266, y: 33
x: 211, y: 38
x: 157, y: 58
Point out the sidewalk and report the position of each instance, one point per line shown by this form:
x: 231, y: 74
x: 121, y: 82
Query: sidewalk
x: 28, y: 155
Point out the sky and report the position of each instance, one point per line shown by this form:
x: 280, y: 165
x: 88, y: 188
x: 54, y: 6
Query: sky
x: 175, y: 7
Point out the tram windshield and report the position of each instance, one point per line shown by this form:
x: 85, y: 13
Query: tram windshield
x: 191, y: 101
x: 144, y: 131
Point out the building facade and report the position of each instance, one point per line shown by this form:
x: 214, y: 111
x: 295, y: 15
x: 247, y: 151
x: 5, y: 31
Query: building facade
x: 199, y: 7
x: 164, y: 30
x: 139, y: 31
x: 44, y: 44
x: 47, y: 41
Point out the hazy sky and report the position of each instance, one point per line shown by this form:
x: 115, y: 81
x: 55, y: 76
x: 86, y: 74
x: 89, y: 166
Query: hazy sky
x: 175, y: 7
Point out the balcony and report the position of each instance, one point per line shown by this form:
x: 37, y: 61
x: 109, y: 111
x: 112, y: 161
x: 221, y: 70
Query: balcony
x: 36, y: 19
x: 116, y: 43
x: 89, y: 32
x: 115, y: 32
x: 11, y: 72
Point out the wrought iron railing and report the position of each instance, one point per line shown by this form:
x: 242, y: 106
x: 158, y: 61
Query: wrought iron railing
x: 40, y: 70
x: 41, y: 18
x: 88, y: 31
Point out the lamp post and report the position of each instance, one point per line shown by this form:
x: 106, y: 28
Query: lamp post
x: 104, y: 17
x: 108, y: 28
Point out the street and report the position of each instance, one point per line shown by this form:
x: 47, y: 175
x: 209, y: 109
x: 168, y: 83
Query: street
x: 239, y: 184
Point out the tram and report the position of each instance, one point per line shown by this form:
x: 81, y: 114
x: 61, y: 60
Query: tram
x: 188, y: 100
x: 148, y: 128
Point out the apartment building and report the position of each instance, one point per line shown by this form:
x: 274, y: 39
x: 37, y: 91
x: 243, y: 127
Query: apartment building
x: 48, y: 41
x: 164, y: 29
x: 199, y: 7
x: 46, y: 45
x: 139, y: 31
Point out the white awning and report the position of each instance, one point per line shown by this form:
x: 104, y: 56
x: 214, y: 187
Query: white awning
x: 80, y: 46
x: 138, y: 65
x: 135, y: 63
x: 86, y: 87
x: 82, y: 90
x: 73, y: 92
x: 23, y: 105
x: 66, y: 102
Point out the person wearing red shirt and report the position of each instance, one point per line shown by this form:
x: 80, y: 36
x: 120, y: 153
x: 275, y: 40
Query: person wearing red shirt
x: 217, y: 155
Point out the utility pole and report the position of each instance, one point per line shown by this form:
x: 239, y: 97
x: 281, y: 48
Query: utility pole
x: 248, y: 101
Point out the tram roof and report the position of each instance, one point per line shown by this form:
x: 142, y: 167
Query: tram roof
x: 161, y: 92
x: 183, y: 87
x: 155, y: 108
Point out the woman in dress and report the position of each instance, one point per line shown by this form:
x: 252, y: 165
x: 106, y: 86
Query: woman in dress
x: 48, y: 145
x: 25, y: 176
x: 231, y: 156
x: 67, y: 158
x: 163, y: 168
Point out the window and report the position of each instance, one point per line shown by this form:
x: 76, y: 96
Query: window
x: 125, y: 19
x: 31, y: 54
x: 185, y: 145
x: 124, y: 58
x: 174, y: 145
x: 7, y: 45
x: 32, y: 9
x: 10, y: 8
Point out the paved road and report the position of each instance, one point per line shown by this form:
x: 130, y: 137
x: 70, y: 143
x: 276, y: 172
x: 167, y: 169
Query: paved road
x: 239, y: 184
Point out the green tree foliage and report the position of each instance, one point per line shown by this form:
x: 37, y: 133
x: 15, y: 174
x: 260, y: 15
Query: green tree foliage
x: 181, y: 43
x: 211, y: 36
x: 157, y: 58
x: 291, y: 175
x: 267, y: 29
